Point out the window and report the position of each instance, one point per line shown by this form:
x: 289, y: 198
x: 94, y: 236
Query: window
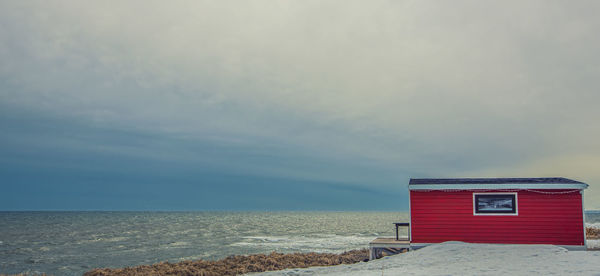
x: 495, y: 204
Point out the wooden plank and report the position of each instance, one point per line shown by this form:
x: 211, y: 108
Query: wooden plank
x: 389, y: 243
x: 389, y: 246
x: 390, y: 240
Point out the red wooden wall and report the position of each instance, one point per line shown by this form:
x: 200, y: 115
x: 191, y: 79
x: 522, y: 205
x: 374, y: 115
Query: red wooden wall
x: 438, y: 216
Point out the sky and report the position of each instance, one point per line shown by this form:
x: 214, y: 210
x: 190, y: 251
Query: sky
x: 290, y: 105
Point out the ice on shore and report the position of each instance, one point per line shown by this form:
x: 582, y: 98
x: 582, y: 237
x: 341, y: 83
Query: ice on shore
x: 457, y: 258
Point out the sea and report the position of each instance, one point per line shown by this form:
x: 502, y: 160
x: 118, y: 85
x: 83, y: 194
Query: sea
x: 71, y: 243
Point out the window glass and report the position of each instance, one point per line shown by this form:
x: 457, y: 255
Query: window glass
x: 495, y: 204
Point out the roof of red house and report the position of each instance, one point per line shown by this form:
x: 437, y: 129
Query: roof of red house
x: 540, y: 180
x: 495, y: 183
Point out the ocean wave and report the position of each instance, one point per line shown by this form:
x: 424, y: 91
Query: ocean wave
x: 320, y: 243
x: 177, y: 244
x: 113, y: 239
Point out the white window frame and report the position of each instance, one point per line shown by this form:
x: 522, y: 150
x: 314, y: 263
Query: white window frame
x: 497, y: 214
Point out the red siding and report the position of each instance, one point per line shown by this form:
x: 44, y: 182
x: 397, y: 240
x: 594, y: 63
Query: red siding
x: 438, y: 216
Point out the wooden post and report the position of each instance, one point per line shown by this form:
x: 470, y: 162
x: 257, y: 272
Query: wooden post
x: 398, y: 224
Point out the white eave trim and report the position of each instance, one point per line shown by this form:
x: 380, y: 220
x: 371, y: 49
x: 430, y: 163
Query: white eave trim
x: 579, y: 186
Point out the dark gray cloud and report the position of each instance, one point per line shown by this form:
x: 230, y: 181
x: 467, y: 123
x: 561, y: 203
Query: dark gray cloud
x: 360, y: 95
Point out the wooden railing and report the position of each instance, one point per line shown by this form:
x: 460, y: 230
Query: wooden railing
x: 398, y: 224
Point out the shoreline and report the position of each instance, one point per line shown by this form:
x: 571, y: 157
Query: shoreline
x: 274, y: 262
x: 256, y: 263
x: 239, y: 264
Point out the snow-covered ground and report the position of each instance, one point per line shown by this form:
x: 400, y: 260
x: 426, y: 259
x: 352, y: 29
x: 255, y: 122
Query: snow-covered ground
x: 457, y: 258
x: 593, y: 244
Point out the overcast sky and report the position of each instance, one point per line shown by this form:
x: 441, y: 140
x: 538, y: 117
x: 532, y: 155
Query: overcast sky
x: 270, y: 105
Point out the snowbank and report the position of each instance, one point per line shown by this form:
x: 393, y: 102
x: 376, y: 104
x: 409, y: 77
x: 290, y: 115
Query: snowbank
x: 593, y: 244
x: 457, y: 258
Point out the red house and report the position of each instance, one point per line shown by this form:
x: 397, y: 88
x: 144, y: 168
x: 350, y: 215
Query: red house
x: 497, y: 210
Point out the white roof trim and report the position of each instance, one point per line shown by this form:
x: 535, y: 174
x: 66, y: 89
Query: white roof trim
x: 532, y: 186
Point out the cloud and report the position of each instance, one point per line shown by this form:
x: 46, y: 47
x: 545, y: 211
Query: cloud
x: 579, y: 167
x: 343, y: 91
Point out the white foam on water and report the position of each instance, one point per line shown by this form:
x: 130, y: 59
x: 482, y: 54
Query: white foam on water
x: 319, y: 243
x: 115, y: 239
x: 193, y: 257
x: 178, y: 244
x: 95, y: 240
x: 268, y: 239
